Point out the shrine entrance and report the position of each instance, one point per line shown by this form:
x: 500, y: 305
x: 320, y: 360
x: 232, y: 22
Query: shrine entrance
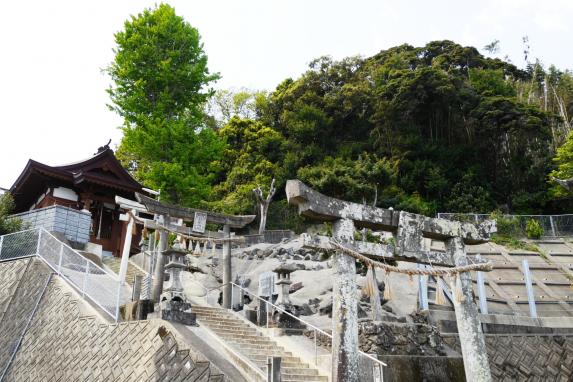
x: 408, y: 231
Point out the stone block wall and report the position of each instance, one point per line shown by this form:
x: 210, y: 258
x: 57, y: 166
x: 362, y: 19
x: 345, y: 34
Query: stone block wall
x: 394, y: 338
x: 527, y: 357
x: 74, y: 224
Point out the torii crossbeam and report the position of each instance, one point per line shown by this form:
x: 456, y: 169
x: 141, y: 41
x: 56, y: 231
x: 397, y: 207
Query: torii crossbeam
x: 409, y: 229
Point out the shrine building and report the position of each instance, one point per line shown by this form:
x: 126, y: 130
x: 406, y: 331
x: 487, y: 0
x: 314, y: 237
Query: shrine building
x: 77, y: 199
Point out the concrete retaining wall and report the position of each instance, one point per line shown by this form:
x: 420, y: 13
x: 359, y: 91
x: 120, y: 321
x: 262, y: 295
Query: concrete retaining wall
x: 527, y: 357
x: 67, y: 340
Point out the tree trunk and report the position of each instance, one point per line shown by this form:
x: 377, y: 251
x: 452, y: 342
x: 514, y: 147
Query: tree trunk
x: 264, y: 204
x: 263, y: 223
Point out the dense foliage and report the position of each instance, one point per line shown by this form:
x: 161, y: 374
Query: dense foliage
x: 434, y: 128
x: 160, y: 75
x: 8, y: 225
x: 439, y: 127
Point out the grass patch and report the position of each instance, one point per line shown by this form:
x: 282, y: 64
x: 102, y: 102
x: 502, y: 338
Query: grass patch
x: 513, y: 243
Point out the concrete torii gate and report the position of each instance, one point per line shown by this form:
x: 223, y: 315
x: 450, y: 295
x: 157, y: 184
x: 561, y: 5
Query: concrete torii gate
x: 168, y: 211
x: 408, y: 229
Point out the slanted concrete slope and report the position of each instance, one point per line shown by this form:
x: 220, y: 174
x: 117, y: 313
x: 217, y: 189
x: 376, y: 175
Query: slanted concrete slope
x: 66, y: 340
x: 22, y: 283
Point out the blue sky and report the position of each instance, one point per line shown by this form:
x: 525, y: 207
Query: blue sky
x: 53, y: 99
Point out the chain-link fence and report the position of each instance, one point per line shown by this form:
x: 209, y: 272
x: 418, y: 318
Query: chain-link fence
x: 553, y: 225
x: 89, y: 279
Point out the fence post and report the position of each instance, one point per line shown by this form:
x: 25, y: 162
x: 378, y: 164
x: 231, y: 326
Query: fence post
x: 60, y: 260
x: 85, y: 286
x: 552, y: 225
x: 423, y: 289
x: 274, y: 369
x: 481, y: 293
x: 481, y: 290
x: 117, y: 301
x: 39, y: 238
x: 315, y: 348
x: 1, y: 242
x: 136, y: 291
x: 529, y: 286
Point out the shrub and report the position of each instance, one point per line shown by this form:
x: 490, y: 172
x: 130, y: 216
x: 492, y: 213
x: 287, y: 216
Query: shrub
x: 8, y: 224
x: 506, y: 225
x: 533, y: 229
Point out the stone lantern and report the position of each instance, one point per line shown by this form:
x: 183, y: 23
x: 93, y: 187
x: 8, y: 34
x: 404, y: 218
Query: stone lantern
x: 174, y: 304
x: 284, y: 282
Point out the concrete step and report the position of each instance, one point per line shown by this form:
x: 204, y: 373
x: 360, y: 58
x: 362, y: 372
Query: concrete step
x: 255, y: 340
x: 227, y: 324
x: 243, y: 337
x: 268, y: 353
x: 294, y: 365
x: 303, y: 378
x: 210, y: 309
x: 212, y: 318
x: 248, y: 346
x: 286, y: 371
x: 221, y: 321
x: 254, y: 345
x: 234, y: 331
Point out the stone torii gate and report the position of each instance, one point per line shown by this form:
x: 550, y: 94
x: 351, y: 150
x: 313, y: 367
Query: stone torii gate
x: 408, y: 230
x: 191, y: 214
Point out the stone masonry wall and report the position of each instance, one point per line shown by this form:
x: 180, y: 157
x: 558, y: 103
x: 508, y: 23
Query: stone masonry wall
x: 527, y: 357
x: 393, y: 338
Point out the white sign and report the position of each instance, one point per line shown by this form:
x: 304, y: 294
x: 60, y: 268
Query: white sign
x: 266, y: 284
x: 199, y: 222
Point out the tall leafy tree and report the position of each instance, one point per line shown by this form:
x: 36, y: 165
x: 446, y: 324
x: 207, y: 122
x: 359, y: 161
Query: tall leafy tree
x: 160, y: 85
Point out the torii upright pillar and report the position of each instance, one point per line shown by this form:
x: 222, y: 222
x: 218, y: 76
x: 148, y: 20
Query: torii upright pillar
x: 344, y: 309
x: 227, y: 270
x: 159, y: 272
x: 472, y: 340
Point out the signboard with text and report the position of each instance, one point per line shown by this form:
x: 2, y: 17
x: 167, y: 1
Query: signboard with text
x: 199, y: 222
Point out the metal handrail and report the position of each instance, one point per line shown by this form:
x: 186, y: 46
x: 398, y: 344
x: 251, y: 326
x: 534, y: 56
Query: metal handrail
x: 304, y: 322
x: 76, y: 252
x: 71, y: 282
x: 282, y: 310
x: 19, y: 232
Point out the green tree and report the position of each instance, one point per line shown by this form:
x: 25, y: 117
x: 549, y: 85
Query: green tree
x: 564, y: 162
x: 439, y: 112
x: 160, y: 78
x: 8, y: 225
x: 225, y: 104
x: 253, y: 157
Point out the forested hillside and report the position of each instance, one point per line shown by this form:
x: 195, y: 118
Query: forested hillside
x: 426, y: 129
x: 433, y: 128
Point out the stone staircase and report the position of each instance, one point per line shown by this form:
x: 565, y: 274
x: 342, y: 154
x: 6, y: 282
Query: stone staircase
x: 255, y: 346
x: 113, y: 263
